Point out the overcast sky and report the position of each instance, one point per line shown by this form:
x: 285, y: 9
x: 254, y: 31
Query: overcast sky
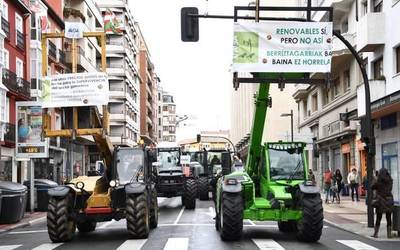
x: 197, y: 74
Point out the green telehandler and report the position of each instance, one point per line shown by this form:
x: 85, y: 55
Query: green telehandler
x: 273, y: 187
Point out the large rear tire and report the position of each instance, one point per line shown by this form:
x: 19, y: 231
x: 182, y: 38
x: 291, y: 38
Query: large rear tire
x: 137, y: 216
x: 203, y: 188
x: 86, y: 226
x: 311, y: 224
x: 60, y: 225
x: 231, y: 216
x: 287, y: 226
x: 190, y: 194
x: 154, y: 209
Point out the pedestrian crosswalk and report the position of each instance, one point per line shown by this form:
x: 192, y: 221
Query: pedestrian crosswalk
x: 183, y: 244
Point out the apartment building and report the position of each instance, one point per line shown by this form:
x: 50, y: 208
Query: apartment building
x: 123, y: 74
x: 148, y: 94
x: 167, y: 119
x: 15, y: 79
x: 242, y: 102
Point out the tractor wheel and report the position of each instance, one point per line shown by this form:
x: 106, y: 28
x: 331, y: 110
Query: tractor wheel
x: 137, y: 216
x: 190, y: 194
x: 287, y: 226
x: 154, y: 209
x: 231, y: 216
x: 203, y: 188
x: 86, y: 226
x: 60, y: 225
x: 310, y: 226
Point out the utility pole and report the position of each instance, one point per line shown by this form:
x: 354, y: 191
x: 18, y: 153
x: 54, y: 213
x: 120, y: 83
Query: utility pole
x: 291, y: 121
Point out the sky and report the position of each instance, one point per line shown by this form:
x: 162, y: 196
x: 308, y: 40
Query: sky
x: 197, y: 74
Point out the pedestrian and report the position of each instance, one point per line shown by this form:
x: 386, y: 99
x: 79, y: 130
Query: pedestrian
x: 352, y: 179
x: 327, y: 183
x: 311, y: 176
x: 383, y: 200
x: 337, y: 180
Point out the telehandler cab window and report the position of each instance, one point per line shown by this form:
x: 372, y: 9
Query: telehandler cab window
x: 130, y: 165
x: 168, y: 159
x: 285, y: 164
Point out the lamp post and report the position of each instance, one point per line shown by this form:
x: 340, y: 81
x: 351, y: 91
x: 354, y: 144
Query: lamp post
x: 291, y: 121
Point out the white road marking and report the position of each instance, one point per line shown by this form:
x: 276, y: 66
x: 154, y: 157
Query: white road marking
x: 357, y: 245
x: 106, y: 224
x: 9, y: 247
x: 37, y: 220
x: 179, y: 215
x: 132, y: 245
x: 267, y: 244
x: 28, y: 232
x: 251, y: 222
x: 48, y: 246
x: 177, y: 244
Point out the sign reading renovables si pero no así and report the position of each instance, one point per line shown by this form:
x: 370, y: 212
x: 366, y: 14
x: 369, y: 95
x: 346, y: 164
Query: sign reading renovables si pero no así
x: 76, y: 89
x: 282, y: 46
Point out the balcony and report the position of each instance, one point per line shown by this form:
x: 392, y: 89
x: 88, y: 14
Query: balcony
x: 301, y: 91
x: 5, y: 26
x: 16, y: 84
x: 20, y: 40
x: 52, y: 50
x: 7, y: 133
x: 371, y: 31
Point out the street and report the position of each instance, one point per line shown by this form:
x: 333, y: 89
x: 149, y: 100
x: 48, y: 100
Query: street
x: 186, y: 229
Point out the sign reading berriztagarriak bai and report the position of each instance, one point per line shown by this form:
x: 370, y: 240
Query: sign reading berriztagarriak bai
x: 282, y: 46
x: 76, y: 89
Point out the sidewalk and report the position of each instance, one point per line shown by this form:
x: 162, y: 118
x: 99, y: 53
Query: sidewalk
x: 29, y: 219
x: 352, y: 216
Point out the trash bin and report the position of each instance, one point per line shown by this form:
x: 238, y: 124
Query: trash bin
x: 396, y: 218
x: 13, y: 202
x: 41, y: 188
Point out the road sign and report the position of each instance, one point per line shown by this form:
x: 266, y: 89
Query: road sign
x: 282, y: 46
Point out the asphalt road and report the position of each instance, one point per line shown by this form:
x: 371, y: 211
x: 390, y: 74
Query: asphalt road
x: 186, y: 229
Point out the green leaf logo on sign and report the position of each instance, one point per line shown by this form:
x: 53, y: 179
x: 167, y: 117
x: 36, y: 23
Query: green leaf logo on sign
x: 245, y: 47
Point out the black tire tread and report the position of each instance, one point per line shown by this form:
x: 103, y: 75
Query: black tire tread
x: 190, y: 194
x: 310, y: 226
x: 203, y: 188
x: 232, y: 216
x: 287, y: 226
x: 137, y: 216
x: 58, y: 219
x: 154, y: 209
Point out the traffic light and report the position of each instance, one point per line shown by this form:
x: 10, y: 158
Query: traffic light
x: 189, y: 24
x: 198, y: 138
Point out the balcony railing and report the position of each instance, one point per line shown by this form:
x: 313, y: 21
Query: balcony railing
x: 52, y: 50
x: 7, y: 132
x: 20, y: 40
x: 62, y: 57
x: 5, y: 25
x: 16, y: 84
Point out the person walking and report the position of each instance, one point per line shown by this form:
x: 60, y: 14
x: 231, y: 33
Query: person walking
x: 352, y: 179
x: 383, y: 200
x: 337, y: 179
x: 311, y: 176
x: 327, y: 184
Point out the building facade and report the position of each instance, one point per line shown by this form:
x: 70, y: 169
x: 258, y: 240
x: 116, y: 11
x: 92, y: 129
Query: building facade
x: 15, y: 79
x: 123, y: 74
x: 167, y: 119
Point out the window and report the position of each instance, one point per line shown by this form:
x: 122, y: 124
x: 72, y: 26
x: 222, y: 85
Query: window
x: 7, y: 111
x: 19, y: 68
x: 165, y: 108
x: 378, y: 5
x: 3, y: 109
x: 336, y: 87
x: 90, y: 53
x: 389, y: 121
x: 315, y: 102
x: 6, y: 59
x: 398, y: 59
x: 345, y: 27
x: 364, y: 7
x: 378, y: 69
x: 305, y: 108
x: 18, y: 25
x: 390, y: 162
x: 4, y: 14
x: 346, y: 80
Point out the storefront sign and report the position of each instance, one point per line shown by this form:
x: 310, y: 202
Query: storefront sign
x: 282, y: 46
x: 78, y: 89
x: 73, y: 30
x: 381, y: 103
x: 29, y: 131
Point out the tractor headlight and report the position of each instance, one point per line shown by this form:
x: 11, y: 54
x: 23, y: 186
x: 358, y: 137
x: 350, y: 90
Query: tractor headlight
x: 79, y: 185
x: 113, y: 183
x: 231, y: 181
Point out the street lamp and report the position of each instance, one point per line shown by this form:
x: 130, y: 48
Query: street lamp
x: 291, y: 121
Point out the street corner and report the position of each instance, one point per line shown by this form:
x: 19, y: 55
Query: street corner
x: 29, y: 219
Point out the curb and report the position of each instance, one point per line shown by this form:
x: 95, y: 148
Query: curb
x: 393, y: 239
x: 23, y: 224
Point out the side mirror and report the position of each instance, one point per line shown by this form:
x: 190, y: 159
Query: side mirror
x: 189, y: 24
x: 226, y: 163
